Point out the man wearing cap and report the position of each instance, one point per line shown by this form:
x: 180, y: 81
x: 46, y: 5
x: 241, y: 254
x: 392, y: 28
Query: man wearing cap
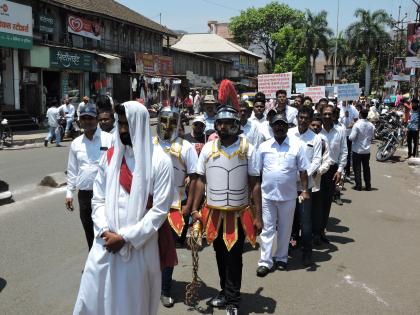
x: 197, y: 137
x: 248, y: 127
x: 280, y: 160
x: 68, y: 110
x: 210, y: 105
x: 84, y: 156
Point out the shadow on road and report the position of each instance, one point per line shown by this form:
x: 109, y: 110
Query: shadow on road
x: 2, y: 284
x: 333, y: 226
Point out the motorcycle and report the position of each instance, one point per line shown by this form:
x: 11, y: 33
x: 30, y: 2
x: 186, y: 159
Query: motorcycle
x: 390, y: 144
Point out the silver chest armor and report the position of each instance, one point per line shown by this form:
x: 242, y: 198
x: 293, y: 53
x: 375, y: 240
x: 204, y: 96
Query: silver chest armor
x: 180, y: 170
x: 227, y: 178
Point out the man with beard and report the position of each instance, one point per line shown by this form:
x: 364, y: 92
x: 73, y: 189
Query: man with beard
x: 122, y: 273
x: 197, y: 137
x: 85, y: 153
x: 228, y: 166
x: 184, y: 160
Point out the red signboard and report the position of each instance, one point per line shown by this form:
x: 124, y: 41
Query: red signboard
x: 83, y: 27
x: 153, y: 64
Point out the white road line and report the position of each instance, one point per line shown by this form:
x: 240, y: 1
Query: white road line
x: 20, y: 205
x: 361, y: 285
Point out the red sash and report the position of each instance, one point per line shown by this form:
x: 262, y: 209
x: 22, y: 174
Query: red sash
x: 166, y: 243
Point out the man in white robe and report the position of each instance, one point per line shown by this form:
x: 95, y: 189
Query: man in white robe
x: 122, y: 273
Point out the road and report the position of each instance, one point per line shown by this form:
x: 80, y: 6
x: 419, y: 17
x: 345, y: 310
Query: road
x: 371, y: 266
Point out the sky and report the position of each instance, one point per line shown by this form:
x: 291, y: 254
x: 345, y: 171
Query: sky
x: 192, y: 15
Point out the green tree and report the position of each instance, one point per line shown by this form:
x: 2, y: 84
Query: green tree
x: 365, y: 35
x: 343, y: 52
x: 257, y: 26
x: 317, y: 35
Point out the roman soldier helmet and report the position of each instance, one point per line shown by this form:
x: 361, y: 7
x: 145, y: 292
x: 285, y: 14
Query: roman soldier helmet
x: 169, y: 121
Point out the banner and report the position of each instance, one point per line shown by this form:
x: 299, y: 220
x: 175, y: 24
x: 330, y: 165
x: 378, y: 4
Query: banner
x: 270, y: 83
x: 315, y: 93
x: 15, y: 25
x: 83, y: 27
x: 65, y: 59
x: 300, y: 88
x: 412, y: 62
x: 400, y: 67
x: 330, y: 91
x: 413, y: 39
x: 348, y: 92
x: 153, y: 64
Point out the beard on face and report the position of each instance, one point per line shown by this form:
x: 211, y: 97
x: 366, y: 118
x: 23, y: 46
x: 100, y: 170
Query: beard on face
x: 126, y: 139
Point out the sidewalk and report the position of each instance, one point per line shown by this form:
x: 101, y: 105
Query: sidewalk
x: 21, y: 138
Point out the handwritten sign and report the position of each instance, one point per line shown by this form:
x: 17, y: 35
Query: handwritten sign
x: 315, y: 93
x: 348, y: 92
x: 270, y: 83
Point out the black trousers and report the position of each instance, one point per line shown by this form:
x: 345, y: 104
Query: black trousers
x: 349, y: 153
x: 412, y: 142
x: 85, y: 205
x: 229, y: 264
x: 360, y: 160
x: 302, y: 222
x: 323, y: 200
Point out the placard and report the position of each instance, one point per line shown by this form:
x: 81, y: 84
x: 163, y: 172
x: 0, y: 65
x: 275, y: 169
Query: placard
x: 315, y: 93
x: 348, y: 92
x: 270, y: 83
x: 300, y: 88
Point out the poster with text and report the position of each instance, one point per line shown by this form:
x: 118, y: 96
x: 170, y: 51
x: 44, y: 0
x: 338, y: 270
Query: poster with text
x: 348, y: 92
x: 84, y: 27
x: 315, y: 93
x: 270, y: 83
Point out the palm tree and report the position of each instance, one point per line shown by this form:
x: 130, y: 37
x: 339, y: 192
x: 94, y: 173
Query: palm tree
x: 365, y: 35
x: 317, y: 34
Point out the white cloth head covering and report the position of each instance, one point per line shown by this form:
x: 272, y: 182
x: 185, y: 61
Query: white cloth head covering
x: 139, y: 128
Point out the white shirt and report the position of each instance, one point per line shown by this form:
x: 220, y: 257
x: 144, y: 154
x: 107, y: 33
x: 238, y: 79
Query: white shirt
x: 337, y: 143
x: 346, y: 121
x: 188, y: 154
x: 52, y: 115
x: 253, y: 169
x: 253, y: 118
x: 361, y: 135
x: 266, y: 130
x: 84, y: 157
x: 312, y: 146
x: 291, y: 115
x: 252, y: 133
x: 81, y: 105
x: 279, y: 165
x: 68, y: 110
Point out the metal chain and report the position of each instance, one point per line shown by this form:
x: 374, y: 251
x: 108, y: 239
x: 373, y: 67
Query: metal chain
x: 191, y: 290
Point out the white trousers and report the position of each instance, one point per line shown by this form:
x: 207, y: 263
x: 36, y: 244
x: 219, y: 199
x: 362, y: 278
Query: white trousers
x: 276, y: 214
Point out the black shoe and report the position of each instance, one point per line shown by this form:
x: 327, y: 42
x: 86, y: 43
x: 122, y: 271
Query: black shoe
x: 357, y: 188
x: 338, y: 201
x: 231, y: 310
x: 281, y: 265
x: 368, y: 188
x: 324, y: 239
x: 262, y: 271
x: 166, y: 301
x: 307, y: 259
x: 45, y: 143
x: 217, y: 301
x: 58, y: 145
x: 317, y: 240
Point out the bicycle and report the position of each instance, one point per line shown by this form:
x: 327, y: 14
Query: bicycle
x: 6, y: 134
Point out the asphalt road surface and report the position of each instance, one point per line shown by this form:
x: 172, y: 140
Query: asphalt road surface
x: 370, y: 267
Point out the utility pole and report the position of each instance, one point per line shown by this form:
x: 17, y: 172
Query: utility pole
x: 336, y: 43
x: 160, y: 18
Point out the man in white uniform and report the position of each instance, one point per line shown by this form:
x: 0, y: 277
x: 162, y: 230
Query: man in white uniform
x: 68, y: 111
x: 122, y: 273
x: 53, y: 115
x: 283, y: 108
x: 280, y: 160
x: 184, y: 161
x: 248, y: 127
x: 258, y: 114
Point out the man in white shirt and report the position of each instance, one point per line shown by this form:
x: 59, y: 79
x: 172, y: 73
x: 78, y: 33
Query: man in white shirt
x: 197, y: 103
x: 248, y: 127
x: 337, y: 144
x: 84, y: 156
x: 361, y: 135
x: 132, y: 195
x: 283, y: 108
x: 53, y: 115
x: 82, y: 104
x: 68, y: 111
x: 348, y: 116
x: 312, y: 145
x: 210, y: 105
x: 281, y: 159
x: 258, y: 114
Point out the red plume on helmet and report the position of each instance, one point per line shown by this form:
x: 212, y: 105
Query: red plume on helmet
x: 228, y: 94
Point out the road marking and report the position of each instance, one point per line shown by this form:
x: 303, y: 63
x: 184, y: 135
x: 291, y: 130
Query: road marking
x: 20, y: 205
x: 361, y: 285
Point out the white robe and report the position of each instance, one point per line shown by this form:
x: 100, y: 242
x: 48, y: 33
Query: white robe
x: 128, y: 282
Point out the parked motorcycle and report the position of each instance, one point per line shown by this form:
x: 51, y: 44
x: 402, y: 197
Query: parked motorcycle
x: 390, y: 144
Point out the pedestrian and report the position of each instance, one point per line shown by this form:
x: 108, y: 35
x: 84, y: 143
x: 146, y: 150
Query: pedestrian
x: 210, y: 105
x: 318, y: 106
x: 412, y: 129
x: 258, y: 114
x: 228, y: 172
x: 122, y: 273
x: 348, y: 116
x: 197, y: 103
x: 68, y: 110
x: 83, y: 103
x: 53, y: 116
x: 85, y: 153
x: 312, y: 146
x: 299, y: 101
x: 197, y: 137
x: 248, y: 127
x: 407, y: 109
x: 184, y: 160
x: 280, y: 160
x: 283, y: 108
x: 106, y: 119
x: 361, y: 136
x: 337, y: 144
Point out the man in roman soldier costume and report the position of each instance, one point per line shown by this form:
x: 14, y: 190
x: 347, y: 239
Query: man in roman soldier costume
x: 228, y: 172
x: 184, y: 160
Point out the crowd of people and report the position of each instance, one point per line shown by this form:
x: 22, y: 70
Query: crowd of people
x: 246, y: 169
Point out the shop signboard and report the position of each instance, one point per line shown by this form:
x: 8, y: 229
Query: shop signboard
x: 348, y: 92
x: 83, y: 27
x: 270, y: 83
x: 46, y: 24
x: 153, y: 64
x: 71, y: 60
x: 15, y: 25
x: 165, y: 65
x: 315, y: 93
